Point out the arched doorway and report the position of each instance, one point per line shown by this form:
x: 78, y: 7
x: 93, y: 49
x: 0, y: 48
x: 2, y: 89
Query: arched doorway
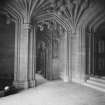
x: 52, y: 50
x: 96, y: 53
x: 96, y: 57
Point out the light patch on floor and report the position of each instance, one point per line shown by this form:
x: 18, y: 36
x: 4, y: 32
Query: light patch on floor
x: 56, y: 93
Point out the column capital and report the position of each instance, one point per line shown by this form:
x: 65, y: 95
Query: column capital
x: 73, y: 34
x: 27, y: 26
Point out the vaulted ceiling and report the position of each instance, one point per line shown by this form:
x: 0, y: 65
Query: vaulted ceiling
x: 76, y: 13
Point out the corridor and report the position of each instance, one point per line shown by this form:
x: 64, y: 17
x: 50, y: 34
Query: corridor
x: 56, y: 93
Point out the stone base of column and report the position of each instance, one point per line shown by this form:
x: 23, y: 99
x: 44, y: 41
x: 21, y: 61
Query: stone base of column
x: 21, y: 84
x: 65, y: 78
x: 31, y: 83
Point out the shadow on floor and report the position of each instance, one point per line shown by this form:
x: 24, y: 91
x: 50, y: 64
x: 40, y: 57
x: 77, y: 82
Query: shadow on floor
x: 7, y: 88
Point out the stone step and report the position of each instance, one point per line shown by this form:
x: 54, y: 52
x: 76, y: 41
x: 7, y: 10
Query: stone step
x: 97, y: 80
x: 96, y: 84
x: 99, y: 88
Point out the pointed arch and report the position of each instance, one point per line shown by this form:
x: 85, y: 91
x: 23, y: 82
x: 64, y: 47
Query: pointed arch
x: 60, y: 20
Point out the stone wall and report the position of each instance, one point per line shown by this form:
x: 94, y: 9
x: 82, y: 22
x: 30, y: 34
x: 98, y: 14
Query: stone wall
x: 6, y: 48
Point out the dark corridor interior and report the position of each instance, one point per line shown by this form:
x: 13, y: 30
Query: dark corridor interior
x: 50, y: 50
x: 99, y: 56
x: 96, y: 54
x: 47, y: 49
x: 7, y: 44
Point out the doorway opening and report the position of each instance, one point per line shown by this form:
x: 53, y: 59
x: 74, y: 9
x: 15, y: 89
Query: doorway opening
x: 51, y: 50
x: 96, y: 55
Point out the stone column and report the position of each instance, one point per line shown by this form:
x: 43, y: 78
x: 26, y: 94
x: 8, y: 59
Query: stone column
x: 93, y: 58
x: 69, y: 55
x: 21, y: 55
x: 75, y: 57
x: 89, y: 53
x: 32, y: 58
x: 79, y: 56
x: 64, y: 51
x: 50, y: 58
x: 82, y: 57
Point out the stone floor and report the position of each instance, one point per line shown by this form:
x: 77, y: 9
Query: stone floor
x: 56, y: 93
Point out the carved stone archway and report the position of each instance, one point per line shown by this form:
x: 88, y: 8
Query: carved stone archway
x: 65, y: 74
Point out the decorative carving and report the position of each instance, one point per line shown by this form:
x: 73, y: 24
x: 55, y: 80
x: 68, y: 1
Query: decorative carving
x: 85, y: 4
x: 57, y: 32
x: 41, y: 58
x: 72, y: 10
x: 76, y: 2
x: 55, y: 48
